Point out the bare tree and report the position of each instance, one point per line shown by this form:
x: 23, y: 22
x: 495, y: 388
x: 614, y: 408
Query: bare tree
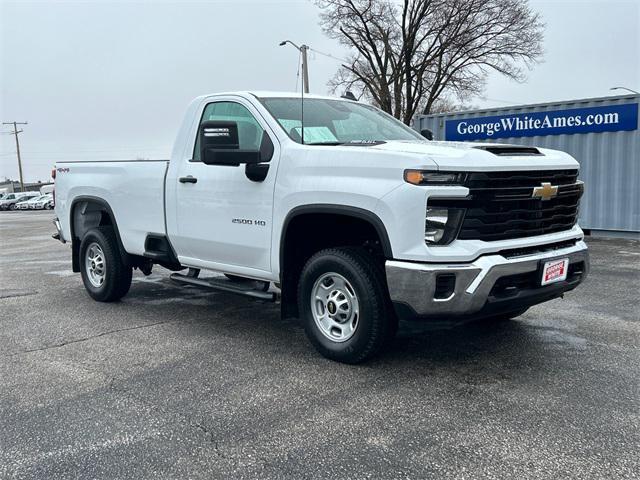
x: 409, y: 54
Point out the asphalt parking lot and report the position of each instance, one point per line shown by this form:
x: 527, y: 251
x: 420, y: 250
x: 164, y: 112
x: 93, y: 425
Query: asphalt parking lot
x: 176, y: 382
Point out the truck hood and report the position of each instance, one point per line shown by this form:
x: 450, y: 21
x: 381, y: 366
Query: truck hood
x: 466, y: 156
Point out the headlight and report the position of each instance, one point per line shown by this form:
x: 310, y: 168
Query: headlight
x: 421, y: 177
x: 442, y: 224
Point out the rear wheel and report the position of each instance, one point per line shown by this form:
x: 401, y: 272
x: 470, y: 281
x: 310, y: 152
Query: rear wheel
x: 344, y: 305
x: 105, y: 276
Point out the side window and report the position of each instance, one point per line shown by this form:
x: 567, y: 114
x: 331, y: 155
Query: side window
x: 249, y: 130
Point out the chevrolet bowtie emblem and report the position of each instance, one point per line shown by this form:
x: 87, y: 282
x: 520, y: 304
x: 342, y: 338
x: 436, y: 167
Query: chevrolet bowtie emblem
x: 545, y: 192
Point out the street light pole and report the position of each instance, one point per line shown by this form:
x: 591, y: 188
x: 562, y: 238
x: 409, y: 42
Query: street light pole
x: 303, y: 49
x: 15, y: 133
x: 305, y: 68
x: 625, y: 88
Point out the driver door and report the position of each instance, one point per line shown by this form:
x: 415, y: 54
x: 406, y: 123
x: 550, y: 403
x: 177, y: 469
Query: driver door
x: 222, y: 217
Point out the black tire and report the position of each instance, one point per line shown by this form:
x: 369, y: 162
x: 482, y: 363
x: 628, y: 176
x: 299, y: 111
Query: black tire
x: 12, y: 206
x: 376, y: 324
x: 117, y: 275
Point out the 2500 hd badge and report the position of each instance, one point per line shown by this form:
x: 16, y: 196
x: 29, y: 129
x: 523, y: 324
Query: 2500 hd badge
x: 248, y: 221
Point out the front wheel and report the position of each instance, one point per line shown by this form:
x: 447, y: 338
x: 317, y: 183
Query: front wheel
x: 344, y: 305
x: 105, y: 276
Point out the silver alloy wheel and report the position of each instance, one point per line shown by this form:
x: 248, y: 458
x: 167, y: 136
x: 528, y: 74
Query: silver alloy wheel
x: 95, y: 264
x: 335, y: 307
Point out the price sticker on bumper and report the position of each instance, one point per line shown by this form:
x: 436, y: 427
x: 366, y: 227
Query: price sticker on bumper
x: 555, y: 271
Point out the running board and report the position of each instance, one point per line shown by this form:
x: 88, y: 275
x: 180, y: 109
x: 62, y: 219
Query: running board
x: 224, y: 285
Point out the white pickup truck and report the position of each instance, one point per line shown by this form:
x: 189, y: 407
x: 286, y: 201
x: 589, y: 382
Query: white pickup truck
x: 347, y: 216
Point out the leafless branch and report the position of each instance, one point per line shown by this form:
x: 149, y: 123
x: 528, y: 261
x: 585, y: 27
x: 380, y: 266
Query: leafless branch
x: 413, y: 55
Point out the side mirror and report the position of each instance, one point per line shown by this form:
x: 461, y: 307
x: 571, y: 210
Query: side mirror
x: 426, y: 133
x: 219, y: 145
x: 257, y: 172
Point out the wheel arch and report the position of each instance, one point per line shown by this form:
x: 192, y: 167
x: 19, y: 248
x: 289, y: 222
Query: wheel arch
x: 365, y: 224
x: 92, y: 212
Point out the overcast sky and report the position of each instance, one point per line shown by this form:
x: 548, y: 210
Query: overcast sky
x: 111, y: 79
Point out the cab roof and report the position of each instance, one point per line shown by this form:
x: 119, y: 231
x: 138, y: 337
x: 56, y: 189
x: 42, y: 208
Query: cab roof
x: 272, y: 94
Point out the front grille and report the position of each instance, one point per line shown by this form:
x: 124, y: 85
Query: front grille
x: 499, y: 180
x: 500, y: 205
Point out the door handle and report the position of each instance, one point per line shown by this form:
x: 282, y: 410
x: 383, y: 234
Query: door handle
x: 188, y: 179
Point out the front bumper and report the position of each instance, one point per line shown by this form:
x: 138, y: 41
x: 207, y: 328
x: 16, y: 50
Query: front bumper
x: 490, y: 285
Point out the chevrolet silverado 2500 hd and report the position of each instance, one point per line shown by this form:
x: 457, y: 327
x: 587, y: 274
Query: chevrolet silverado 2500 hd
x: 353, y: 218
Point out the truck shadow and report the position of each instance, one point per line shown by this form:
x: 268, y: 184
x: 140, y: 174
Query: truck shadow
x: 510, y: 346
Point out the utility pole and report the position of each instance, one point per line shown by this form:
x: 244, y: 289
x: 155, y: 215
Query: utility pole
x: 15, y: 133
x: 303, y: 49
x: 305, y: 67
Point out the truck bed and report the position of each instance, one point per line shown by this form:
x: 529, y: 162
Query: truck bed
x: 134, y: 189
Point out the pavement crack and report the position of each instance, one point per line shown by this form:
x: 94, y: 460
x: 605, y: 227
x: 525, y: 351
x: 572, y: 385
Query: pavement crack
x: 205, y: 430
x: 16, y: 293
x: 80, y: 340
x: 183, y: 419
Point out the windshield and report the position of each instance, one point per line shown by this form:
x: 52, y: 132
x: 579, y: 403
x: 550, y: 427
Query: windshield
x: 335, y: 122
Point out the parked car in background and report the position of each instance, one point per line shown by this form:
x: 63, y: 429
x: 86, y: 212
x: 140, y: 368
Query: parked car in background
x: 10, y: 201
x: 34, y: 203
x: 23, y: 203
x: 41, y: 203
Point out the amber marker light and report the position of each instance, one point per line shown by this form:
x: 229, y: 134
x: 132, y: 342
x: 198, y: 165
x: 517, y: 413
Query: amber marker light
x: 423, y: 177
x: 413, y: 176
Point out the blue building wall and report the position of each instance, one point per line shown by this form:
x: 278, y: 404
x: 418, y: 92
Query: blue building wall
x: 608, y: 150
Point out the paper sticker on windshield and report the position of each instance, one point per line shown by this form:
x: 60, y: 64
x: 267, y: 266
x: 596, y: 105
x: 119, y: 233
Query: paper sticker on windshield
x: 317, y: 134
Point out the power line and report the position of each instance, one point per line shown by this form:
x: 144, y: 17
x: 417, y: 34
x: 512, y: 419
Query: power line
x: 500, y: 101
x: 329, y: 55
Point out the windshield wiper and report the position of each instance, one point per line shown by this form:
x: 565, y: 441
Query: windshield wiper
x: 354, y: 143
x: 365, y: 143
